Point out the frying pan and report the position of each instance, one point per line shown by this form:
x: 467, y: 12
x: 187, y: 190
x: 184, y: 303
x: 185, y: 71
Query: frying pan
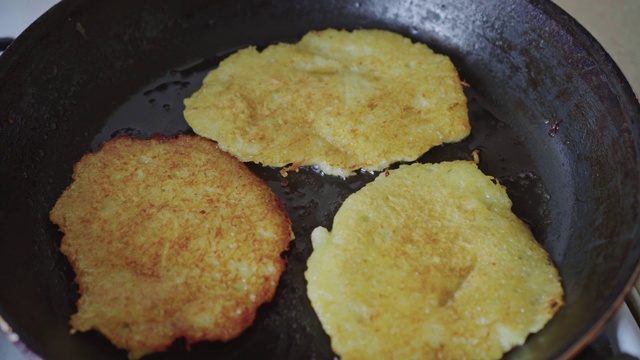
x: 552, y: 118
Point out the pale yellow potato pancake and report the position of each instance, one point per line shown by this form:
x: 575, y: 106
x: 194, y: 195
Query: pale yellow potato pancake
x: 338, y: 100
x: 429, y: 262
x: 169, y: 238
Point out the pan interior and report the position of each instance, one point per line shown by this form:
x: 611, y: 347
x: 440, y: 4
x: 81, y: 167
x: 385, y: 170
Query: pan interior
x: 551, y: 117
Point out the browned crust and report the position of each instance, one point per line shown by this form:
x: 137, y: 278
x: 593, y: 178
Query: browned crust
x: 166, y: 283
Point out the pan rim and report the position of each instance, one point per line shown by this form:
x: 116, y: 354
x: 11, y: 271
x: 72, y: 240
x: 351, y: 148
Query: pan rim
x: 630, y: 102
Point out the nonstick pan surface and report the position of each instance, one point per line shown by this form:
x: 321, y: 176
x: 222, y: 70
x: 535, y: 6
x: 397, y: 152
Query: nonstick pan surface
x: 552, y: 118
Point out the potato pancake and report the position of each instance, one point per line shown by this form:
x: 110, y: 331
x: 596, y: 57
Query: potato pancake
x: 337, y: 100
x: 429, y: 262
x: 169, y: 238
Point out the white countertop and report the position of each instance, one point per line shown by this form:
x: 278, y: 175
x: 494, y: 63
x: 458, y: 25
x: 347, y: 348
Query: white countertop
x: 611, y: 22
x: 16, y: 15
x: 614, y: 23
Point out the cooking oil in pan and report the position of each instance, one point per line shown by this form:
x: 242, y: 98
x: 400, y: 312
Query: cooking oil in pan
x: 287, y: 326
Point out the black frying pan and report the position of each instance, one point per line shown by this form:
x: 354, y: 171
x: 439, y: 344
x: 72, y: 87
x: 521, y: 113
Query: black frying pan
x: 552, y: 117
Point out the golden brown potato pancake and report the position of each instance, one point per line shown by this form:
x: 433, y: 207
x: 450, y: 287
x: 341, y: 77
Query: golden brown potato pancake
x: 338, y: 100
x: 429, y: 262
x: 169, y: 238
